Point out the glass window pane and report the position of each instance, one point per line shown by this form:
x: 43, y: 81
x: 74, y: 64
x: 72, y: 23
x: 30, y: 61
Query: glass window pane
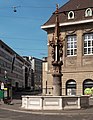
x: 75, y: 45
x: 68, y: 52
x: 71, y: 38
x: 71, y: 45
x: 92, y: 43
x: 75, y: 51
x: 89, y: 43
x: 89, y: 36
x: 85, y: 37
x: 85, y: 50
x: 89, y: 51
x: 72, y: 52
x: 75, y: 38
x: 88, y: 12
x: 85, y: 44
x: 92, y: 50
x: 68, y: 45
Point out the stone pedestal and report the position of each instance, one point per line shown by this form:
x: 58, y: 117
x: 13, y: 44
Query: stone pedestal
x: 57, y: 85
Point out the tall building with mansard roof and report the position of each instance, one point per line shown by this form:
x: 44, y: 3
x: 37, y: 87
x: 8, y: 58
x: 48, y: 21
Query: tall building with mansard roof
x: 76, y: 28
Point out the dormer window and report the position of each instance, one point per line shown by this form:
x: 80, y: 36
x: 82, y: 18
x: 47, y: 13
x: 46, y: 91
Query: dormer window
x: 71, y: 15
x: 88, y: 12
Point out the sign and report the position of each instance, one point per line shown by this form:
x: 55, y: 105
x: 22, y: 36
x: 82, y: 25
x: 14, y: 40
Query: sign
x: 1, y: 94
x: 2, y: 86
x: 5, y: 88
x: 5, y: 93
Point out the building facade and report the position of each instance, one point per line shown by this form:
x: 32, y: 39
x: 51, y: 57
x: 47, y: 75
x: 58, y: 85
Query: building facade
x: 45, y: 88
x: 36, y: 72
x: 14, y: 70
x: 76, y: 29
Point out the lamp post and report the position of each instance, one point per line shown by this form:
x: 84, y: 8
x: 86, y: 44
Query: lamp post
x: 57, y: 52
x: 5, y: 77
x: 5, y: 74
x: 6, y: 86
x: 7, y: 90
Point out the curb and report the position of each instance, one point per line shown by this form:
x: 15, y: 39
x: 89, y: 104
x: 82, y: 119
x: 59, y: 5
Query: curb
x: 45, y: 112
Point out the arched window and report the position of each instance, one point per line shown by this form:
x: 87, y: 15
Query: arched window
x: 71, y: 15
x: 71, y: 87
x: 88, y: 12
x: 88, y: 83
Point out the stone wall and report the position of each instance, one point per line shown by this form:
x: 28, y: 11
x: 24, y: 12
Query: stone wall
x: 54, y: 102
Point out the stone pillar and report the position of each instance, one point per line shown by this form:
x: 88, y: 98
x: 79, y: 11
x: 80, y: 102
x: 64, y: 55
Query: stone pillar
x: 79, y: 88
x: 79, y: 48
x: 57, y: 85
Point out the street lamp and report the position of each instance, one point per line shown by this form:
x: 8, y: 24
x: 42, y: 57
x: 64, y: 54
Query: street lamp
x: 7, y: 90
x: 5, y: 77
x: 5, y: 74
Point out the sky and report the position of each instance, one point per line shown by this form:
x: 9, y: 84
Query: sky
x: 21, y: 30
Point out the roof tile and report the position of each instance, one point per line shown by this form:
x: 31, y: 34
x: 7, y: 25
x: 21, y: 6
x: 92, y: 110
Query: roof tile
x: 78, y: 6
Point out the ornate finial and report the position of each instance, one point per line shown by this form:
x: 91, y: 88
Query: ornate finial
x: 57, y: 29
x: 56, y: 12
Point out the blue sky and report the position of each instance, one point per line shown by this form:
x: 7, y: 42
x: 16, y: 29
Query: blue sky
x: 21, y: 30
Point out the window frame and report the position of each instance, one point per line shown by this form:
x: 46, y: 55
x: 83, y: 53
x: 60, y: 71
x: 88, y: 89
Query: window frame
x: 71, y: 45
x: 88, y: 12
x: 88, y: 44
x: 73, y: 15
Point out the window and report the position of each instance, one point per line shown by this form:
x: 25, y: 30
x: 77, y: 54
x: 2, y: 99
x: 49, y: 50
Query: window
x: 88, y: 83
x: 6, y: 56
x: 88, y: 44
x: 71, y: 87
x: 71, y: 15
x: 71, y: 45
x: 88, y: 12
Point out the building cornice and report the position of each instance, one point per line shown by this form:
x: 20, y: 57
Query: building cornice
x: 67, y: 23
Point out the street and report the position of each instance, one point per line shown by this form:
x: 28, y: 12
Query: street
x: 14, y: 112
x: 11, y: 115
